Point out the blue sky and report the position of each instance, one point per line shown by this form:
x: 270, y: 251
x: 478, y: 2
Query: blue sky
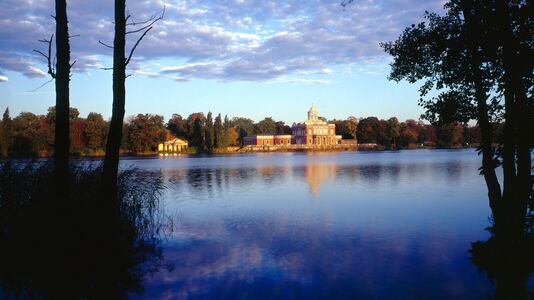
x: 236, y: 57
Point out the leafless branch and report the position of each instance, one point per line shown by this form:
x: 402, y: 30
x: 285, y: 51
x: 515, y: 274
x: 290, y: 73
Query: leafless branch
x: 71, y: 65
x: 41, y: 85
x: 49, y: 56
x: 135, y: 46
x: 106, y: 69
x: 128, y: 75
x: 102, y: 43
x: 76, y: 35
x: 153, y: 19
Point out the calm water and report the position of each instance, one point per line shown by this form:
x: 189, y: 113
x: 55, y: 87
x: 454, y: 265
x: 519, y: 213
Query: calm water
x: 365, y: 225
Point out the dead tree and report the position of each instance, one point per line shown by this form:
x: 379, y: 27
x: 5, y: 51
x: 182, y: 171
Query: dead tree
x: 120, y: 62
x: 61, y: 74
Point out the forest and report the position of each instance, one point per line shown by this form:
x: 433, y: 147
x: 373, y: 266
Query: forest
x: 29, y: 135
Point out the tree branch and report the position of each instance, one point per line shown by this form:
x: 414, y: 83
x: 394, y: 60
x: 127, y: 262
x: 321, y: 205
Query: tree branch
x: 35, y: 89
x: 48, y: 57
x: 149, y: 22
x: 102, y: 43
x: 135, y: 46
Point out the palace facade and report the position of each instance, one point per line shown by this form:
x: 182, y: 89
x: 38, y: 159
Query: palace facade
x: 313, y: 132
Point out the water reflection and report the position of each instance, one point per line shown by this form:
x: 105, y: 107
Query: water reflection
x: 345, y: 226
x: 70, y: 252
x: 317, y: 174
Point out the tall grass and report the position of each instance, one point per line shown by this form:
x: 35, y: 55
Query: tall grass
x: 55, y: 252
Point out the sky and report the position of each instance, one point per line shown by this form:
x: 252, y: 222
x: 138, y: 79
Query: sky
x: 248, y: 58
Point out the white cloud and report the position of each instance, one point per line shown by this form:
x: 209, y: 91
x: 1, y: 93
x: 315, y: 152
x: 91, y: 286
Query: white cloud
x: 225, y: 40
x: 3, y: 78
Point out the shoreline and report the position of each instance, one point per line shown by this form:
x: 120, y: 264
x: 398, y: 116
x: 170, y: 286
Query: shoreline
x: 249, y: 150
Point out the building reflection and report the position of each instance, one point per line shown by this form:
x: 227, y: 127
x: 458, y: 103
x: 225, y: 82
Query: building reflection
x: 317, y: 174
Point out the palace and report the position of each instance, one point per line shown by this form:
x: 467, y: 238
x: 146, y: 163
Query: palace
x: 312, y: 132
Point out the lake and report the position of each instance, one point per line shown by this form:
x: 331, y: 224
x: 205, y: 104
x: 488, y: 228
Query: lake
x: 357, y: 225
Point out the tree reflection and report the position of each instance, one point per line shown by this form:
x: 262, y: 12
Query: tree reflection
x: 507, y: 262
x: 48, y: 252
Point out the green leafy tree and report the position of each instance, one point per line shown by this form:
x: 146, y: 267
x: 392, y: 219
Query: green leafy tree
x: 393, y: 132
x: 94, y: 131
x: 367, y: 130
x: 145, y: 132
x: 195, y: 123
x: 28, y: 135
x: 244, y: 127
x: 265, y: 126
x: 282, y: 128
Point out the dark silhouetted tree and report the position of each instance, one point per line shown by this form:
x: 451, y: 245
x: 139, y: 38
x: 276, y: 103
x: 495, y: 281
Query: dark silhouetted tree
x: 6, y: 133
x: 120, y: 62
x: 178, y: 126
x: 477, y: 57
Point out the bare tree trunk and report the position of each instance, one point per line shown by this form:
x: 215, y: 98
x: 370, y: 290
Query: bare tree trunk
x: 108, y: 205
x: 517, y: 182
x: 111, y: 161
x: 62, y: 141
x: 488, y: 166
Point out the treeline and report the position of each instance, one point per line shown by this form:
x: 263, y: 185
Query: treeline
x: 31, y: 135
x: 392, y: 134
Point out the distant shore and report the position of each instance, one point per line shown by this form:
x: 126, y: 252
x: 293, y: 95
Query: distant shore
x: 252, y: 149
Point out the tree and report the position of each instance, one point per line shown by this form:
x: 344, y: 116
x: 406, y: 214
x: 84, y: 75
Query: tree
x: 208, y: 134
x: 476, y: 57
x: 52, y: 121
x: 178, y: 126
x: 367, y: 130
x: 77, y: 136
x: 6, y: 133
x: 27, y: 134
x: 120, y: 62
x: 282, y: 128
x: 197, y: 137
x: 145, y: 131
x: 218, y: 132
x: 265, y: 126
x: 226, y: 128
x: 244, y: 127
x: 449, y: 135
x: 392, y: 132
x: 233, y: 137
x: 94, y: 130
x: 61, y: 74
x: 195, y: 123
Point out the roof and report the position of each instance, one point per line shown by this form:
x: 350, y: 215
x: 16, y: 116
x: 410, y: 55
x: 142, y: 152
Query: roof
x: 175, y: 141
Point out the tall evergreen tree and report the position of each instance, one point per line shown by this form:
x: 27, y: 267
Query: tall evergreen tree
x: 226, y: 132
x: 6, y: 133
x: 218, y: 131
x: 208, y: 133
